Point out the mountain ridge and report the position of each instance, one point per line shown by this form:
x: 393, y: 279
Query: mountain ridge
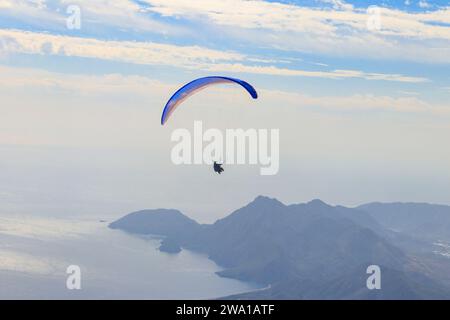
x: 284, y: 246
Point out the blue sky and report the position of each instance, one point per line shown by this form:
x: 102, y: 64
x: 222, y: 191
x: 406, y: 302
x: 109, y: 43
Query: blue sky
x: 328, y: 78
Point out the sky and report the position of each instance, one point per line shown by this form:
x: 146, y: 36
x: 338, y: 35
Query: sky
x: 358, y: 89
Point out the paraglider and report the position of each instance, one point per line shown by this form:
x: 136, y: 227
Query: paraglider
x: 194, y: 86
x: 218, y: 167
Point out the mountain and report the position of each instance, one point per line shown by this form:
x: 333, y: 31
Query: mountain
x: 265, y: 237
x: 422, y: 220
x: 351, y: 285
x: 310, y: 250
x: 162, y: 222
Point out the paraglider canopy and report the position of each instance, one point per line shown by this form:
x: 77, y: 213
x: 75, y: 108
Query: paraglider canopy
x: 194, y: 86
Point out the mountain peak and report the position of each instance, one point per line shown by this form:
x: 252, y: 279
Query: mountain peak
x: 317, y: 203
x: 264, y: 200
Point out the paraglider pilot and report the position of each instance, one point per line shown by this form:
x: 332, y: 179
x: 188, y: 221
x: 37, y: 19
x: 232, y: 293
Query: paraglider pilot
x: 218, y: 167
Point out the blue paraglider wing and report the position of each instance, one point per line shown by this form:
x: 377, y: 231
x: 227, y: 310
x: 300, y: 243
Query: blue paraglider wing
x: 194, y: 86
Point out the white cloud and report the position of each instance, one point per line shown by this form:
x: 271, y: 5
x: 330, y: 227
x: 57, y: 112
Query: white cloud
x: 125, y: 51
x: 20, y: 78
x: 189, y: 57
x: 288, y: 17
x: 359, y: 102
x: 424, y: 4
x: 409, y: 93
x: 26, y: 78
x: 335, y: 74
x: 37, y: 4
x: 339, y: 30
x: 32, y: 12
x: 42, y: 108
x: 123, y: 14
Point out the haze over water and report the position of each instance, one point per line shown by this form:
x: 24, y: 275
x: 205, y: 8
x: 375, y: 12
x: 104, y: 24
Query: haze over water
x: 35, y: 252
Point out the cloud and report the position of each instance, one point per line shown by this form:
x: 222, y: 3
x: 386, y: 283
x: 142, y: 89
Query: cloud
x: 424, y: 4
x: 341, y: 29
x: 359, y: 102
x: 123, y: 51
x: 336, y: 28
x: 123, y: 14
x: 27, y: 78
x: 130, y: 85
x: 30, y: 4
x: 43, y: 108
x: 95, y: 14
x: 32, y: 13
x: 290, y: 17
x: 335, y: 74
x: 187, y: 57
